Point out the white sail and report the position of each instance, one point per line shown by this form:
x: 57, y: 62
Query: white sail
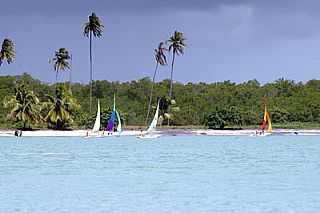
x: 154, y: 122
x: 119, y: 128
x: 96, y: 126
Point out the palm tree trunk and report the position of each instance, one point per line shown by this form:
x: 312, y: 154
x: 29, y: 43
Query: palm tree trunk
x: 171, y: 83
x: 90, y: 70
x: 70, y: 78
x: 56, y: 76
x: 151, y: 92
x: 55, y: 92
x: 171, y: 77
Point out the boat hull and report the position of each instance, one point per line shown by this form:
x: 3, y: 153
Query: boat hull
x: 148, y: 136
x: 261, y: 135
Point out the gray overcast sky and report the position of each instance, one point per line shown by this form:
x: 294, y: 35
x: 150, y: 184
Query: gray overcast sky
x: 227, y: 40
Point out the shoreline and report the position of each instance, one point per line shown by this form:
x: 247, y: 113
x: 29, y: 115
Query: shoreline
x: 167, y: 132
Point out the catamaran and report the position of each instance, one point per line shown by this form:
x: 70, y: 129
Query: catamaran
x: 266, y: 120
x: 150, y: 132
x: 111, y: 122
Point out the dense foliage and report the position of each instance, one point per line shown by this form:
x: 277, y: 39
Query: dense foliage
x: 196, y: 104
x: 60, y: 108
x: 24, y: 107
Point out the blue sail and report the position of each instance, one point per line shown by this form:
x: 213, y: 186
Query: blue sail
x: 110, y: 124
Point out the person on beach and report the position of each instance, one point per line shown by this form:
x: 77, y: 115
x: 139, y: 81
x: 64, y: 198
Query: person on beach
x: 18, y: 133
x: 142, y: 134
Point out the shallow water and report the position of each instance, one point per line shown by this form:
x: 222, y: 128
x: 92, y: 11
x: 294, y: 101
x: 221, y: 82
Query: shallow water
x: 168, y: 174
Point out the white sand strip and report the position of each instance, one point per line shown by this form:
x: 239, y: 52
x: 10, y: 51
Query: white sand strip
x: 57, y: 133
x: 83, y: 133
x: 253, y: 131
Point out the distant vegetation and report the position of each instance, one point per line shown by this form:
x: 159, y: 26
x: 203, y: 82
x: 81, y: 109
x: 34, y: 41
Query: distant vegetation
x: 29, y: 103
x: 215, y: 105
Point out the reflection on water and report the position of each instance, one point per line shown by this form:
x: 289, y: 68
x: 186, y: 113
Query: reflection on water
x: 168, y: 174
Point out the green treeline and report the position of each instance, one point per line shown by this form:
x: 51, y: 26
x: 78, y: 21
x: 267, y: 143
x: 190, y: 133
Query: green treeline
x: 217, y: 105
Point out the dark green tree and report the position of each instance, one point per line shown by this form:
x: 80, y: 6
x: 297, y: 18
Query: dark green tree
x: 222, y: 117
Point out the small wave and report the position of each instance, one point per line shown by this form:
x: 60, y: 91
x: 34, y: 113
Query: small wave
x: 37, y: 153
x: 55, y: 153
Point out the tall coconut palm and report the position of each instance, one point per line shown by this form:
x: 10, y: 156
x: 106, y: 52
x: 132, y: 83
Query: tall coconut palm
x: 24, y: 106
x: 161, y: 59
x: 61, y: 61
x: 176, y: 45
x: 60, y: 109
x: 92, y: 28
x: 7, y: 52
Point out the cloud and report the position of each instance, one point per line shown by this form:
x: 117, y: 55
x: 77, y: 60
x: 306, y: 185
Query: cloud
x: 64, y: 7
x: 75, y: 6
x: 79, y: 6
x: 265, y: 18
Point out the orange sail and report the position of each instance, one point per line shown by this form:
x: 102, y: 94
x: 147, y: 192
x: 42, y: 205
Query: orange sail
x: 266, y: 120
x: 269, y: 122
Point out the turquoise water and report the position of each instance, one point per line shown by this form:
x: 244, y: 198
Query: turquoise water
x: 168, y: 174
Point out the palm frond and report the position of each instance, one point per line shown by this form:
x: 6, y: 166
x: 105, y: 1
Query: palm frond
x: 94, y: 26
x: 160, y: 54
x: 61, y: 60
x: 7, y: 52
x: 60, y: 108
x: 177, y: 43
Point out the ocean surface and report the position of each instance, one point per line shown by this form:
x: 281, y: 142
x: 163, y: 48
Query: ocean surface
x: 215, y: 174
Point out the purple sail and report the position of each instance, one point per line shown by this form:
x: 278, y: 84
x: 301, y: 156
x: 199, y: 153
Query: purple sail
x: 110, y: 124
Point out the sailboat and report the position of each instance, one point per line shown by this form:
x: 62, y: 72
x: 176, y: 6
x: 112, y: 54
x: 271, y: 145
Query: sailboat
x: 150, y: 132
x: 96, y: 127
x: 266, y: 121
x: 111, y: 122
x: 119, y: 127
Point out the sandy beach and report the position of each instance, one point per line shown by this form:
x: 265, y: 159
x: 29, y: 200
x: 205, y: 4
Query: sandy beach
x: 175, y: 132
x: 56, y: 133
x: 253, y: 131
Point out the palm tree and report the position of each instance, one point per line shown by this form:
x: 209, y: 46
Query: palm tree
x: 92, y: 28
x: 60, y: 109
x: 177, y: 45
x: 24, y: 106
x: 7, y: 52
x: 60, y: 61
x: 162, y: 60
